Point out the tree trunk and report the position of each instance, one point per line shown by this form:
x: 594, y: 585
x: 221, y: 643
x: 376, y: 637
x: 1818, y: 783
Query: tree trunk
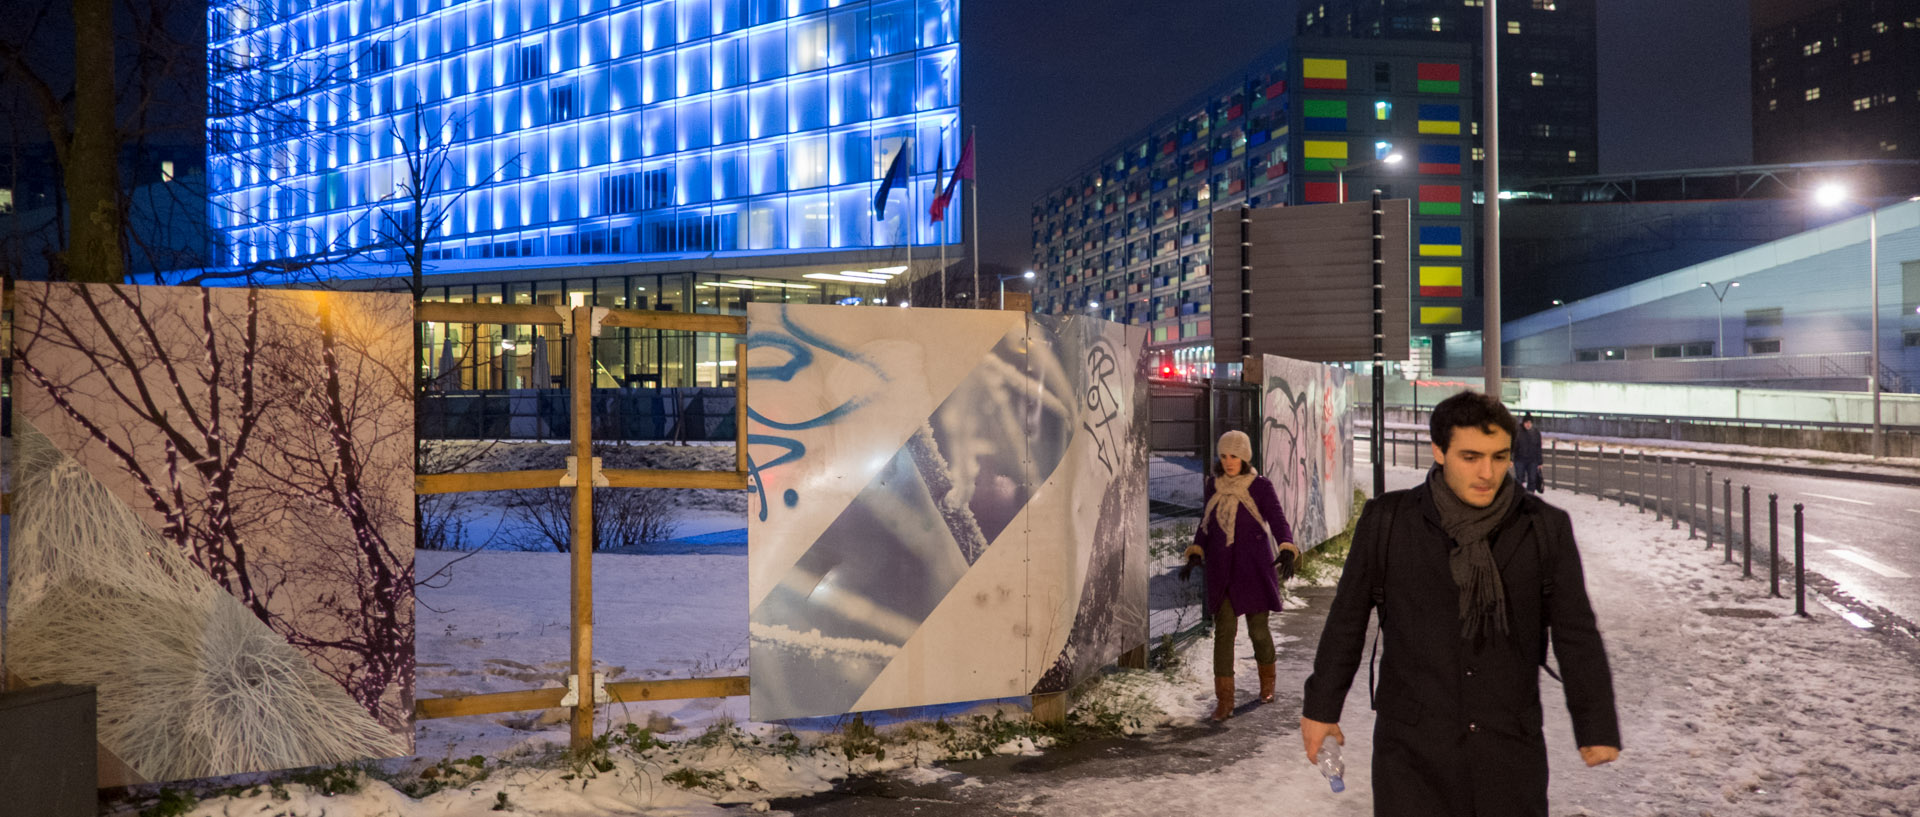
x: 95, y: 252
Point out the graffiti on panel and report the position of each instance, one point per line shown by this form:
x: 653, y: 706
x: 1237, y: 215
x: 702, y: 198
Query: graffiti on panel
x: 1307, y: 441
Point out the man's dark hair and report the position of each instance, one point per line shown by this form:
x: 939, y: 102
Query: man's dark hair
x: 1469, y: 409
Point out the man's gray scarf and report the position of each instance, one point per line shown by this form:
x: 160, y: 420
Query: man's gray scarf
x: 1483, y: 598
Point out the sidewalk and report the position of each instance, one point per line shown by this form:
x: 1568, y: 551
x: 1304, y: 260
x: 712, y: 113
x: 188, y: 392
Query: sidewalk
x: 1729, y: 705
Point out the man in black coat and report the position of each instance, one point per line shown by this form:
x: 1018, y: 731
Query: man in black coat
x: 1473, y: 577
x: 1528, y: 454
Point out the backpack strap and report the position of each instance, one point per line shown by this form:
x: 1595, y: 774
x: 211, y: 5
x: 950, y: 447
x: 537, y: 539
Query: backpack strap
x: 1546, y: 602
x: 1378, y: 591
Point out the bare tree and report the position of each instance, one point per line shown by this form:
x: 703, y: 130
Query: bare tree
x: 252, y: 425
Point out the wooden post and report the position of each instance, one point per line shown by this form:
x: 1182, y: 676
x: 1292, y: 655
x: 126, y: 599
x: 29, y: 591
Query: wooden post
x: 1050, y: 708
x: 1135, y: 658
x: 740, y: 404
x: 580, y: 383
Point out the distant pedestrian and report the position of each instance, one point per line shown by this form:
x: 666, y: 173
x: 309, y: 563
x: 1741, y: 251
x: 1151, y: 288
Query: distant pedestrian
x: 1236, y: 540
x: 1473, y: 579
x: 1527, y: 454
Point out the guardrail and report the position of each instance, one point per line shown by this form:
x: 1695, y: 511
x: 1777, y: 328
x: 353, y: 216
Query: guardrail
x: 1852, y: 438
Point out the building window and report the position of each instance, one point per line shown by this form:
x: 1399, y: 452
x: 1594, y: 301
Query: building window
x: 1436, y: 24
x: 1383, y: 75
x: 1543, y: 5
x: 1863, y: 55
x: 1479, y: 154
x: 1769, y: 346
x: 1541, y: 130
x: 560, y: 104
x: 166, y: 171
x: 1539, y: 79
x: 1383, y: 111
x: 1810, y: 49
x: 1382, y: 150
x: 1813, y: 94
x: 1773, y: 104
x: 529, y: 62
x: 1863, y: 103
x: 1910, y: 339
x: 1770, y: 316
x: 1602, y: 353
x: 1573, y: 157
x: 1879, y: 28
x: 1696, y: 350
x: 1513, y: 26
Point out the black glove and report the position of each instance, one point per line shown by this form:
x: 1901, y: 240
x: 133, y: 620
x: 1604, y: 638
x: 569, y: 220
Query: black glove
x: 1284, y: 564
x: 1186, y: 570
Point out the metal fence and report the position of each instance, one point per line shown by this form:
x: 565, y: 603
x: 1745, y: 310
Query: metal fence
x: 1671, y: 490
x: 1900, y: 441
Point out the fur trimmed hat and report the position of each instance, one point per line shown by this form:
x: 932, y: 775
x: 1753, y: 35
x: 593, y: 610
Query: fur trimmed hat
x: 1237, y: 444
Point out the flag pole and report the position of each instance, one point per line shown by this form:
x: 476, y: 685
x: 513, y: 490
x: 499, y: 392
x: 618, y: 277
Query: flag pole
x: 909, y: 219
x: 974, y: 177
x: 939, y: 170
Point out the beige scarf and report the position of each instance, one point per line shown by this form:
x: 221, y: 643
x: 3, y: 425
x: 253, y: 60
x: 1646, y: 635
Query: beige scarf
x: 1229, y: 495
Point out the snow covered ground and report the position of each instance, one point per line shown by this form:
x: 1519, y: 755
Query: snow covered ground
x: 1729, y: 704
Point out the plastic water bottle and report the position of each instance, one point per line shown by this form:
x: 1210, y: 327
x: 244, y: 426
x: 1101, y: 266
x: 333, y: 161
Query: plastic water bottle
x: 1332, y: 767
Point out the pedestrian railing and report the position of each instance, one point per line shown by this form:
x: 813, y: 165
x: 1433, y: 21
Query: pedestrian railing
x: 1673, y: 491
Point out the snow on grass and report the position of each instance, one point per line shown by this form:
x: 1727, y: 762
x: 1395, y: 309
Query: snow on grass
x: 1729, y: 705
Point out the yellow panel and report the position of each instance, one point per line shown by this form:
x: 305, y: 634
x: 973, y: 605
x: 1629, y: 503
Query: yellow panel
x: 1440, y: 276
x: 1439, y: 314
x: 1428, y: 126
x: 1440, y: 249
x: 1323, y: 69
x: 1325, y: 150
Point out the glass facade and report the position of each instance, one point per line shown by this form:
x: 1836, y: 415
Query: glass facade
x: 468, y: 357
x: 513, y: 128
x: 1129, y: 239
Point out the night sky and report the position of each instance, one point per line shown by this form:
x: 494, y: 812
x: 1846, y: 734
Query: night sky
x: 1052, y: 85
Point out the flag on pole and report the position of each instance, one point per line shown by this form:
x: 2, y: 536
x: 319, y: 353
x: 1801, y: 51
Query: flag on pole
x: 962, y: 169
x: 896, y: 174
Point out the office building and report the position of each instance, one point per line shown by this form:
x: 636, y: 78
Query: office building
x: 665, y: 154
x: 1548, y: 92
x: 1835, y: 79
x: 1127, y: 237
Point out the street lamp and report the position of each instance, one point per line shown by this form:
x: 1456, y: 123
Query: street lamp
x: 1831, y: 195
x: 1379, y: 315
x: 1571, y: 357
x: 1720, y: 295
x: 1340, y: 173
x: 1003, y: 285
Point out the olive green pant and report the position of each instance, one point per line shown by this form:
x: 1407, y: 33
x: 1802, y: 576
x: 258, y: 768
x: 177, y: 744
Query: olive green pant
x: 1224, y: 625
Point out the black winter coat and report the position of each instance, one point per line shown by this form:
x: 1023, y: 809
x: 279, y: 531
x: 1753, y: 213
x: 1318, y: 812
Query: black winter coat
x: 1459, y: 726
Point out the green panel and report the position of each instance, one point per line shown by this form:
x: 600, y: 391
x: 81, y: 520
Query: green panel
x: 1328, y: 108
x: 1436, y: 86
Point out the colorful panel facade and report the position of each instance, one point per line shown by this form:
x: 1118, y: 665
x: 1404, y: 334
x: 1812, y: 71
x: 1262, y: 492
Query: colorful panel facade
x: 946, y: 505
x: 212, y: 521
x: 1308, y: 445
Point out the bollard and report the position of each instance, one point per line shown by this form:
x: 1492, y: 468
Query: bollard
x: 1726, y: 496
x: 1799, y: 561
x: 1620, y: 480
x: 1553, y: 465
x: 1576, y: 466
x: 1693, y: 504
x: 1640, y: 478
x: 1773, y: 541
x: 1709, y: 493
x: 1394, y: 452
x: 1746, y: 531
x: 1673, y: 494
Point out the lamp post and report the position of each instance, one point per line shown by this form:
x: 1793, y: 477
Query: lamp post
x: 1720, y: 295
x: 1003, y: 285
x: 1832, y: 195
x: 1379, y: 315
x: 1564, y: 307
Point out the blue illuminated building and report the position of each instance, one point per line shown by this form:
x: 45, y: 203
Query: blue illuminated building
x: 578, y: 126
x: 585, y: 150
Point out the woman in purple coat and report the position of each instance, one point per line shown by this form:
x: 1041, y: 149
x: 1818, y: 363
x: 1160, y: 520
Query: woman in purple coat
x: 1244, y: 568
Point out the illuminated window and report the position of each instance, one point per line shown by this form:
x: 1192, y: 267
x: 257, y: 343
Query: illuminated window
x: 1863, y: 103
x: 1383, y: 110
x: 1513, y: 26
x: 1543, y: 5
x: 1436, y: 24
x: 1813, y: 94
x: 1773, y: 104
x: 1479, y: 154
x: 166, y: 171
x: 1539, y: 79
x: 1864, y: 55
x: 1573, y: 157
x: 1810, y: 49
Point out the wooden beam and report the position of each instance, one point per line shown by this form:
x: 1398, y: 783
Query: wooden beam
x: 580, y: 392
x: 677, y: 689
x: 491, y: 703
x: 1050, y: 708
x: 644, y: 478
x: 740, y: 406
x: 445, y: 312
x: 675, y: 321
x: 487, y: 481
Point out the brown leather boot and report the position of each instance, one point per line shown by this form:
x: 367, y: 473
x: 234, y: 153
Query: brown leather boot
x: 1223, y: 689
x: 1268, y: 673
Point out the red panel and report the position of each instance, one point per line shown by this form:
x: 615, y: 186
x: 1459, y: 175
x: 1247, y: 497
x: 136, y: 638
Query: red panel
x: 1440, y: 292
x: 1322, y: 192
x: 1440, y: 193
x: 1324, y: 84
x: 1448, y: 72
x: 1439, y: 169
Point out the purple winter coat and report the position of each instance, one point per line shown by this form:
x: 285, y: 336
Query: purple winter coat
x: 1244, y: 573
